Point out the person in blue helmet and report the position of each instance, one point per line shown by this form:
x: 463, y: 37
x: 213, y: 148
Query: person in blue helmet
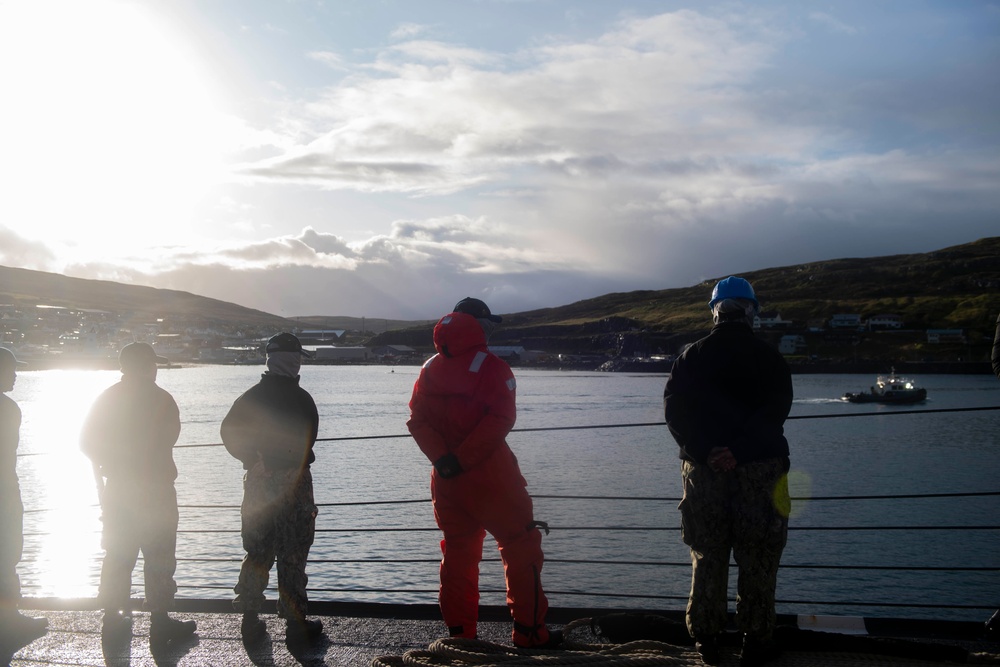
x: 725, y: 404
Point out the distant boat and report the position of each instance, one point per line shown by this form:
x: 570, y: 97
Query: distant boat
x: 890, y: 388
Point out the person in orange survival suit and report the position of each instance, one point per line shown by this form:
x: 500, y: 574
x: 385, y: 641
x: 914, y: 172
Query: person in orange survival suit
x: 462, y: 408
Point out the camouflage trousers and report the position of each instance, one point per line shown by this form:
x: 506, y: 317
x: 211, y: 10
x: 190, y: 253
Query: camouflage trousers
x: 138, y: 517
x: 278, y: 524
x: 11, y: 543
x: 744, y: 512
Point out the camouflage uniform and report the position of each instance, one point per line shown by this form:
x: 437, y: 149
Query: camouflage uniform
x: 279, y: 520
x: 730, y: 391
x: 271, y: 429
x: 745, y: 510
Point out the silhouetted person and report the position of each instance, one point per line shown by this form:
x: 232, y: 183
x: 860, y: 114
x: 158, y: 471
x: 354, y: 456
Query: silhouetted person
x: 725, y: 403
x: 993, y: 625
x: 462, y: 408
x: 15, y: 628
x: 271, y: 429
x: 129, y: 436
x: 995, y: 357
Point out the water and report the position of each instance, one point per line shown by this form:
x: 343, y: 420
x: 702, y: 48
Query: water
x: 878, y: 455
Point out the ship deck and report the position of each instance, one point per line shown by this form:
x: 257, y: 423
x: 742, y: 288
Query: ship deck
x: 360, y: 634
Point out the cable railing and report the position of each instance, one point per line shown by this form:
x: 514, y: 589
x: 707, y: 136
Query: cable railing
x: 988, y: 602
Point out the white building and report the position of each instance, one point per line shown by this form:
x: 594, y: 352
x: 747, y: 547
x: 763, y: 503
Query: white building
x: 945, y: 336
x: 885, y: 321
x: 331, y: 353
x: 845, y: 321
x: 771, y: 320
x: 791, y: 344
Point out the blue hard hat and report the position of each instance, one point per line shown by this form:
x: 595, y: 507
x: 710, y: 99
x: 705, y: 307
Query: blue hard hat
x: 733, y: 288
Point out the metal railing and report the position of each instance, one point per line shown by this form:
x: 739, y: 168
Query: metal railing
x: 954, y: 532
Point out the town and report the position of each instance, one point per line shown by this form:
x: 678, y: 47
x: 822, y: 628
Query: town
x: 64, y: 337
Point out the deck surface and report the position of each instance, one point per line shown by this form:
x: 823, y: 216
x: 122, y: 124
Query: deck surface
x: 74, y: 639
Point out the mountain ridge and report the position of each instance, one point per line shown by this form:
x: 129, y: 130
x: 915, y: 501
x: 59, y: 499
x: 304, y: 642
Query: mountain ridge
x: 954, y: 287
x: 28, y: 287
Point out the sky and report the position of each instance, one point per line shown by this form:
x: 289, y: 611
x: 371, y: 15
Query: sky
x: 385, y: 158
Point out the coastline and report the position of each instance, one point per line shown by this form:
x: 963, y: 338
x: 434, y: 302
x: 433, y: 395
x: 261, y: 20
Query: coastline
x: 861, y: 367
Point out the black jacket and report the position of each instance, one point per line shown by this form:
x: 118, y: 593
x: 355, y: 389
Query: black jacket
x: 729, y: 389
x: 131, y: 431
x: 275, y: 420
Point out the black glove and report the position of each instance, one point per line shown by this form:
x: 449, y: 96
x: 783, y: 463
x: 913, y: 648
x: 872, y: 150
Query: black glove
x: 448, y: 466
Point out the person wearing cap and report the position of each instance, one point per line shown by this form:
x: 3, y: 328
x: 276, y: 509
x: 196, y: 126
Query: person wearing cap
x: 272, y: 429
x: 129, y: 436
x: 725, y: 404
x: 461, y: 410
x: 15, y: 628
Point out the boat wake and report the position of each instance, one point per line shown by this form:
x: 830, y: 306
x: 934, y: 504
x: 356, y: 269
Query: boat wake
x: 817, y: 401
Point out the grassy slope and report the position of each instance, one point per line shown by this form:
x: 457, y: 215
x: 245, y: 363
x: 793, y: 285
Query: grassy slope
x: 956, y: 287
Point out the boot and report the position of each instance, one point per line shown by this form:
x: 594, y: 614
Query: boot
x: 708, y: 648
x: 303, y: 630
x: 115, y: 623
x: 525, y: 637
x: 163, y: 629
x: 757, y: 651
x: 252, y: 628
x: 16, y: 628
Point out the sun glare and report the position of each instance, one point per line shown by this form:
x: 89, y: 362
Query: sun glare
x: 109, y: 123
x: 62, y: 520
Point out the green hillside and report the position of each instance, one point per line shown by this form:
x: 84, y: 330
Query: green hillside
x: 952, y: 288
x: 956, y: 287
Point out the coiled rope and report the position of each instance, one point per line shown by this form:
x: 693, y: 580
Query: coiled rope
x: 456, y: 651
x: 811, y: 650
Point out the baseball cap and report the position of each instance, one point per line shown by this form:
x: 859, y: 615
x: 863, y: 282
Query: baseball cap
x: 7, y: 358
x: 135, y: 354
x: 477, y: 309
x: 285, y: 342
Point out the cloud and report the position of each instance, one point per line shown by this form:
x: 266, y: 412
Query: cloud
x: 407, y: 30
x: 328, y: 58
x: 655, y: 153
x: 435, y: 118
x: 15, y: 250
x: 833, y: 23
x: 310, y: 248
x: 373, y: 288
x: 411, y: 272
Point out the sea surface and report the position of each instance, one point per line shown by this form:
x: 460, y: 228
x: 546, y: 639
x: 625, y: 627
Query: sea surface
x: 609, y: 493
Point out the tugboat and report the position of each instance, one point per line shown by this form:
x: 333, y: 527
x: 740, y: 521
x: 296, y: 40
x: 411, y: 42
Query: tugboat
x: 890, y: 388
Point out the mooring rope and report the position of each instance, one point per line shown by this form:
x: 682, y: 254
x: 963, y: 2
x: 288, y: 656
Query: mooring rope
x: 458, y: 652
x: 810, y: 649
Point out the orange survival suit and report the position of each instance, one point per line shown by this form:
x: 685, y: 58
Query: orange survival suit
x: 463, y: 405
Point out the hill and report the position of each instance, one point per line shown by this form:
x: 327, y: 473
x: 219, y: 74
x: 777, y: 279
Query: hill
x: 367, y: 325
x: 956, y: 287
x: 952, y: 288
x: 25, y: 287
